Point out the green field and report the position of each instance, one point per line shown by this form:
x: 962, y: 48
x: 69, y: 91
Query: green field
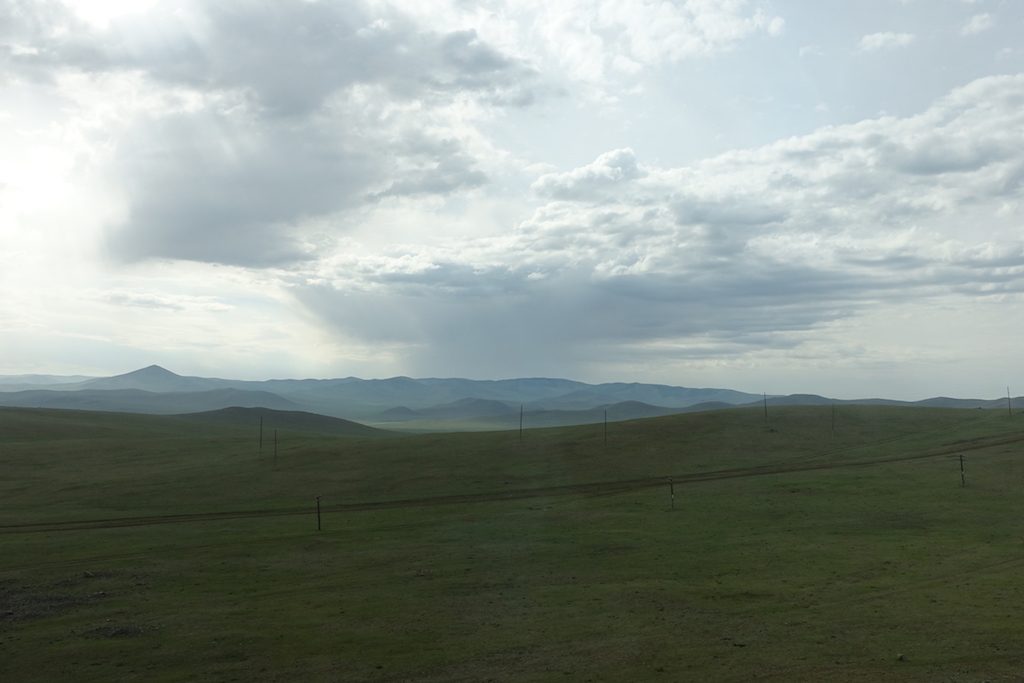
x: 158, y: 548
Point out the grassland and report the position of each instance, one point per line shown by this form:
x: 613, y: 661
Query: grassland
x: 148, y: 548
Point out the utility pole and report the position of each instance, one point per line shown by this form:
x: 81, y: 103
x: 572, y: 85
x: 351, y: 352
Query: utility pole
x: 963, y: 480
x: 318, y: 513
x: 672, y: 492
x: 766, y: 408
x: 1009, y: 402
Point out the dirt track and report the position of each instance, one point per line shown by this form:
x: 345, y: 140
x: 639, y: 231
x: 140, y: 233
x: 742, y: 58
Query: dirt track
x: 602, y: 487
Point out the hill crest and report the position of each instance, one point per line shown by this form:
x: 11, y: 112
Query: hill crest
x: 286, y: 420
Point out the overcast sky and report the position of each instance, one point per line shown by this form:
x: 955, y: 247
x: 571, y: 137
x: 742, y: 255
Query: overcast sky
x: 778, y: 195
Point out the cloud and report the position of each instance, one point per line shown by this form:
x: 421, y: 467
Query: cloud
x: 979, y: 23
x: 608, y: 170
x: 286, y: 58
x: 213, y: 186
x: 369, y: 169
x: 451, y: 173
x: 248, y: 133
x: 161, y: 302
x: 241, y: 130
x: 873, y: 42
x: 756, y: 249
x: 600, y: 41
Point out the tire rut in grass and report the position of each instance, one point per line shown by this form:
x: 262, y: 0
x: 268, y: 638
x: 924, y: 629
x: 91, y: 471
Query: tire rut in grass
x: 609, y: 487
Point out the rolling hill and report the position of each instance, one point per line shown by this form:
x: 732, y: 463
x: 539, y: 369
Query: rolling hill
x: 284, y: 420
x: 705, y: 546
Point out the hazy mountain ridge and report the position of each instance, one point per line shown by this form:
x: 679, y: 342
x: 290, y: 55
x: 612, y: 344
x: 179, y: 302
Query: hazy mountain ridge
x: 935, y: 402
x: 357, y: 398
x: 652, y: 394
x: 146, y: 402
x: 440, y: 402
x: 155, y: 379
x: 23, y: 382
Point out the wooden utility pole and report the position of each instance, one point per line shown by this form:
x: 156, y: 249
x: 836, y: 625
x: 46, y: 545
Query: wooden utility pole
x: 766, y: 408
x: 318, y: 513
x: 672, y: 492
x: 963, y: 480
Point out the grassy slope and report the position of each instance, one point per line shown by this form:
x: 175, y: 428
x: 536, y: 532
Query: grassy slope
x: 246, y: 419
x: 814, y: 575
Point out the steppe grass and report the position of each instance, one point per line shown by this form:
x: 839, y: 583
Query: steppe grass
x: 889, y: 571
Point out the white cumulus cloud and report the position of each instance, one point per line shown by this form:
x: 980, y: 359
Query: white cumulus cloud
x: 608, y: 170
x: 873, y: 42
x: 979, y: 23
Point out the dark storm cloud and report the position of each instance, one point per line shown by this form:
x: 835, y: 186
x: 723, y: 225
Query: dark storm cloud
x: 570, y: 317
x: 557, y: 300
x: 207, y: 187
x: 749, y: 250
x: 453, y: 315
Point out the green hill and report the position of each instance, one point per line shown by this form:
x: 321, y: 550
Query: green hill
x: 284, y: 420
x: 171, y: 548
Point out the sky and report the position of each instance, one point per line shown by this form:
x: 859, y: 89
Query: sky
x: 779, y: 195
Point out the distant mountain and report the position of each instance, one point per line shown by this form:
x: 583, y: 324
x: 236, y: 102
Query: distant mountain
x: 155, y: 379
x: 25, y: 382
x: 138, y: 401
x: 452, y: 397
x: 708, y: 405
x: 353, y: 397
x: 286, y: 421
x: 653, y: 394
x: 398, y: 414
x: 987, y: 404
x: 799, y: 400
x: 451, y: 401
x: 452, y: 420
x: 469, y: 407
x: 937, y: 402
x: 513, y: 391
x: 462, y: 409
x: 537, y: 394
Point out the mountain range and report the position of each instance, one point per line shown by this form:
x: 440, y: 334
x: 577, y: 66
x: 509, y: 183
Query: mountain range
x: 404, y: 402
